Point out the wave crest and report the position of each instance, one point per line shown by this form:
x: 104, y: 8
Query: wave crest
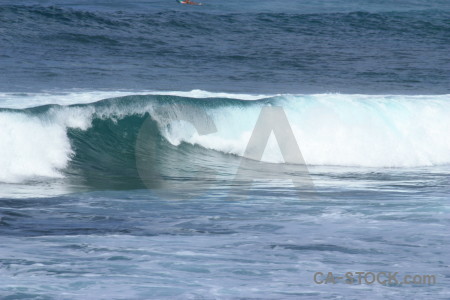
x: 331, y: 129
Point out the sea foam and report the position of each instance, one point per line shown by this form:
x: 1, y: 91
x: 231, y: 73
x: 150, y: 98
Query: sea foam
x: 330, y: 129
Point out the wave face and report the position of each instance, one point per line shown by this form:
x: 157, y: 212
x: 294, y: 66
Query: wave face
x: 255, y: 47
x: 98, y: 140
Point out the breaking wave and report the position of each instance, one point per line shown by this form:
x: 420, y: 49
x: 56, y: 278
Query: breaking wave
x: 99, y: 139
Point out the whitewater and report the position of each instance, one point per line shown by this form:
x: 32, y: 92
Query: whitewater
x: 127, y: 166
x: 385, y: 131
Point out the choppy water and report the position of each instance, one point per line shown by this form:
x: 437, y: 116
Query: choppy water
x: 84, y: 85
x: 256, y: 47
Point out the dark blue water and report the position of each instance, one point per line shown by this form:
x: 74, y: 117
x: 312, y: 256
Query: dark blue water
x: 109, y: 190
x: 279, y: 47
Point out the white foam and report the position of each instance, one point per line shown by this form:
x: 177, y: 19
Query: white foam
x: 31, y: 147
x: 331, y: 129
x: 38, y: 146
x: 343, y: 130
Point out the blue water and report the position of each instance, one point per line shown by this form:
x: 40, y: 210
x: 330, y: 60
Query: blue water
x: 108, y: 191
x: 255, y: 47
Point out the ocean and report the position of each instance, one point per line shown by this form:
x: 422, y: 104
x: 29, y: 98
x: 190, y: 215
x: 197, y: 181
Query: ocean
x: 233, y: 150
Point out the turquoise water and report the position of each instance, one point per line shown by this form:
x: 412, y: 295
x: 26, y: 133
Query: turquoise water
x: 124, y: 126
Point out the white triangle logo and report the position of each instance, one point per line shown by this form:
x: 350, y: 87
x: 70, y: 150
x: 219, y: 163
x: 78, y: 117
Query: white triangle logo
x: 272, y: 152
